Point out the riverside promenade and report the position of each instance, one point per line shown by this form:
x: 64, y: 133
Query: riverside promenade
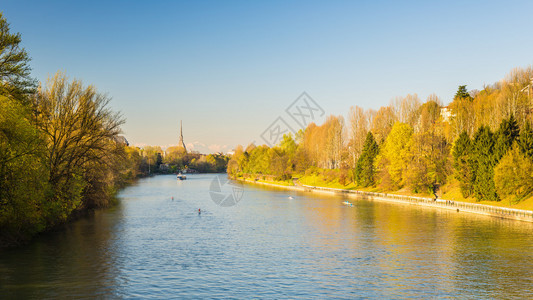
x: 482, y: 209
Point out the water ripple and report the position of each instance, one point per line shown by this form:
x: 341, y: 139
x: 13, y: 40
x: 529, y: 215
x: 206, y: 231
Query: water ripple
x: 153, y: 246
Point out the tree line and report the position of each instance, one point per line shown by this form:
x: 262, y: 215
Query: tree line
x: 61, y: 153
x: 482, y: 143
x: 60, y: 149
x: 155, y: 160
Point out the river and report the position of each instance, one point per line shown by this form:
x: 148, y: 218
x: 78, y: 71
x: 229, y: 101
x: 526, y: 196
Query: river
x: 271, y: 244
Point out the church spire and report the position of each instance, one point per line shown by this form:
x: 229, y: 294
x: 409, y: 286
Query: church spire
x: 181, y: 143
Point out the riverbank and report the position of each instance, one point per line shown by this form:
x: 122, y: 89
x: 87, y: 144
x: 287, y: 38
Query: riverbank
x: 458, y: 206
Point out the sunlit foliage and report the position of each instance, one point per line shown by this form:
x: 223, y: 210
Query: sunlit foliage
x: 412, y: 145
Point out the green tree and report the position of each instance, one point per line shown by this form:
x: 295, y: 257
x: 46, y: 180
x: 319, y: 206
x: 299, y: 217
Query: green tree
x: 175, y: 155
x: 462, y: 93
x: 525, y: 140
x: 288, y: 145
x: 158, y: 159
x: 279, y: 163
x: 365, y: 169
x: 484, y: 146
x: 236, y: 162
x: 15, y: 80
x: 258, y: 161
x: 464, y: 164
x: 22, y: 184
x: 102, y: 177
x: 427, y: 162
x: 505, y: 136
x: 78, y: 128
x: 132, y: 166
x: 391, y: 158
x: 513, y: 174
x: 211, y: 163
x: 150, y: 158
x: 301, y: 160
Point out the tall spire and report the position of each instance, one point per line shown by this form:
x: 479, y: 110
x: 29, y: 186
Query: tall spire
x: 181, y: 143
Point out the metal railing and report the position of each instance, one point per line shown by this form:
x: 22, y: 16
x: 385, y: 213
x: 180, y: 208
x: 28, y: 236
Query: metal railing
x: 450, y: 204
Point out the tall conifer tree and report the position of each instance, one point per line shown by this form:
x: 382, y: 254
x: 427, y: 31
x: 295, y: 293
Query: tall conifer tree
x: 365, y: 170
x: 525, y: 140
x: 464, y: 164
x: 484, y: 144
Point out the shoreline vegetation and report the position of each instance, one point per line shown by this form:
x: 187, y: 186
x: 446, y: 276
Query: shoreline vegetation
x: 61, y: 152
x: 458, y: 206
x: 478, y: 149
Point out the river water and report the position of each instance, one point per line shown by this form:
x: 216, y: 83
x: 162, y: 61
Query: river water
x: 271, y: 244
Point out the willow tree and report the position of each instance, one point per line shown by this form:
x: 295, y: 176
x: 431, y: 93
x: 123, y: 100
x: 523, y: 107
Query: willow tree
x: 79, y: 130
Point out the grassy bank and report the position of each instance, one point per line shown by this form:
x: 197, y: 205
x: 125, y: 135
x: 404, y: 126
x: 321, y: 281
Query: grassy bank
x: 453, y: 192
x: 515, y: 212
x: 450, y: 191
x: 271, y: 181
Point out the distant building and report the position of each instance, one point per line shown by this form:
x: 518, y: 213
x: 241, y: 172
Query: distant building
x: 446, y: 113
x: 181, y: 143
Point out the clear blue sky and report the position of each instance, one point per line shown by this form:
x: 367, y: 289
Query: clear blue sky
x: 228, y: 69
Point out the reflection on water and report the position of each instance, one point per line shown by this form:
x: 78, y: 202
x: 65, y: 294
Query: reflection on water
x: 78, y: 260
x: 271, y: 246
